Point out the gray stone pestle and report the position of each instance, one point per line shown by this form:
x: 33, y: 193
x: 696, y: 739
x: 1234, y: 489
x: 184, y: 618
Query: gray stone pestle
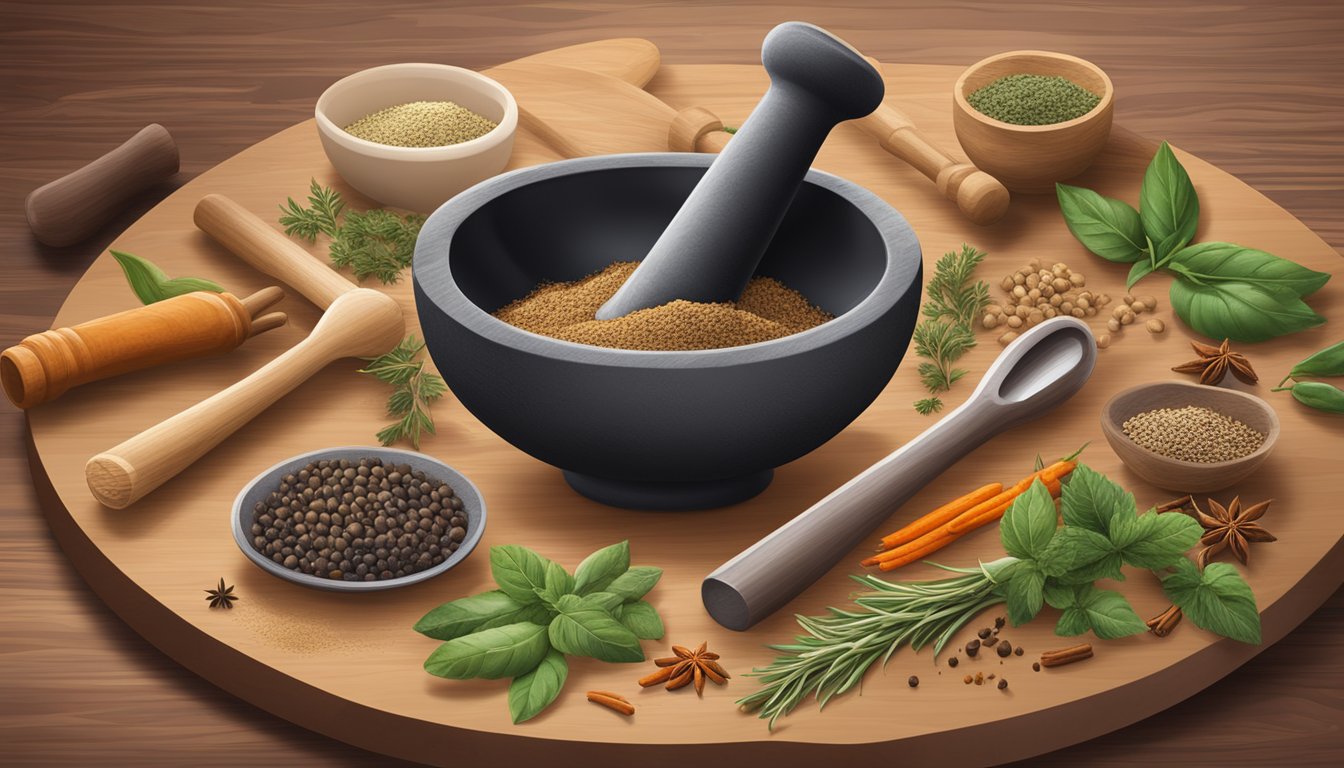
x: 712, y: 246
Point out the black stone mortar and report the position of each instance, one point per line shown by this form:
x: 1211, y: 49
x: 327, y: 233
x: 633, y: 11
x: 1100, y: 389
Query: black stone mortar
x: 653, y: 429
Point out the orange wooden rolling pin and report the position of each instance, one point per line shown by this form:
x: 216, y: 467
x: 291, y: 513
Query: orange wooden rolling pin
x: 43, y: 366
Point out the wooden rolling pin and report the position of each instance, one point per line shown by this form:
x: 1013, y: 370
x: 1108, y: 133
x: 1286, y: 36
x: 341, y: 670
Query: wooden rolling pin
x: 43, y: 366
x: 71, y: 208
x: 358, y: 322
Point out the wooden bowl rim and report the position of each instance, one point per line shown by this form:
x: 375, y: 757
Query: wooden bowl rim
x: 1109, y: 425
x: 1098, y: 112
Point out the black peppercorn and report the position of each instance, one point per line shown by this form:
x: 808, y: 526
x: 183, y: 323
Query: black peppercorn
x: 972, y: 648
x: 913, y: 681
x: 954, y: 661
x: 984, y: 633
x: 1005, y: 648
x: 1003, y: 685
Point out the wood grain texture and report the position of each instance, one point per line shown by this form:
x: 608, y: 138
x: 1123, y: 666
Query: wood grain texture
x: 1253, y: 89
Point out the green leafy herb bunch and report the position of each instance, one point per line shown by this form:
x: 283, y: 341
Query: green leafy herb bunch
x: 1047, y: 563
x: 946, y: 333
x: 376, y: 242
x: 1220, y: 290
x: 539, y: 614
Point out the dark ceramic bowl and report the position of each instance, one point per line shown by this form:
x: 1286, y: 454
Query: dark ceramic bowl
x: 660, y: 430
x: 262, y: 485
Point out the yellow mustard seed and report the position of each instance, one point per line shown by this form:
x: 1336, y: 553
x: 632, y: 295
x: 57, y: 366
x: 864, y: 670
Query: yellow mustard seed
x: 421, y: 124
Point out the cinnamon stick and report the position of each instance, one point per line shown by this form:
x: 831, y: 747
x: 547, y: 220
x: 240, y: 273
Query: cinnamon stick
x: 1062, y: 656
x: 612, y: 701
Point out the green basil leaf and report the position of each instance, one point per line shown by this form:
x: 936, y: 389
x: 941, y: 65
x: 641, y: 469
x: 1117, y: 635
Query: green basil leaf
x: 519, y: 572
x: 534, y: 691
x: 506, y: 651
x: 1029, y: 524
x: 1226, y: 262
x: 1157, y: 541
x: 642, y: 619
x: 1216, y: 599
x: 635, y: 583
x: 1077, y: 555
x: 1327, y: 362
x: 601, y: 568
x: 585, y: 628
x: 466, y: 615
x: 557, y: 582
x: 1319, y: 395
x: 1140, y: 270
x: 1239, y: 311
x: 1106, y: 613
x: 1109, y: 228
x: 536, y: 613
x: 1060, y: 596
x: 150, y: 284
x: 608, y: 601
x: 1174, y: 243
x: 1089, y: 500
x: 1072, y: 621
x: 1168, y: 204
x: 1024, y: 592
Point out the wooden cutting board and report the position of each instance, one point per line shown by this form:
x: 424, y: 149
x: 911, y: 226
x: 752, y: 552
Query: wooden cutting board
x: 349, y: 665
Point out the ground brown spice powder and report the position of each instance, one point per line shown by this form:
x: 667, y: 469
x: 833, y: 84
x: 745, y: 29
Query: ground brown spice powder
x: 766, y: 310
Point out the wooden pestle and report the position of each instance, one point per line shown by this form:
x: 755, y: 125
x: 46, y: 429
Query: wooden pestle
x: 713, y: 244
x: 73, y: 207
x: 358, y: 322
x: 43, y: 366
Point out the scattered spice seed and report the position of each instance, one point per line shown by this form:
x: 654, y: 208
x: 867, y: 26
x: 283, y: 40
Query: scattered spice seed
x: 1062, y: 656
x: 999, y: 622
x: 1036, y: 666
x: 954, y: 661
x: 985, y: 633
x: 1003, y: 685
x: 221, y: 596
x: 967, y: 679
x: 1018, y: 651
x: 913, y: 681
x: 612, y: 701
x: 1193, y: 433
x: 972, y: 648
x: 979, y: 678
x: 1005, y: 649
x: 991, y: 676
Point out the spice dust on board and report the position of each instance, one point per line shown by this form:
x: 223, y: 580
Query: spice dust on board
x: 767, y: 310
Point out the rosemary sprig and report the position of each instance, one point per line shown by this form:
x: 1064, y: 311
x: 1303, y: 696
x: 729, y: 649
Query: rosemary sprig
x: 839, y: 647
x: 949, y: 312
x: 375, y: 243
x: 414, y: 390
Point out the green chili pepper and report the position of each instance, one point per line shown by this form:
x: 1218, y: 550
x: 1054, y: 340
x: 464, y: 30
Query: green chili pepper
x: 1327, y: 362
x: 1318, y: 395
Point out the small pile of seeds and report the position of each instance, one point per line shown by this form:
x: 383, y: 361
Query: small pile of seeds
x: 1036, y: 293
x: 1033, y: 99
x: 359, y: 521
x: 421, y: 124
x: 1193, y: 433
x: 1127, y: 313
x: 766, y: 310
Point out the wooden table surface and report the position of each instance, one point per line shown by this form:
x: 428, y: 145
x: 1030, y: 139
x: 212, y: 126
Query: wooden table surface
x: 1254, y: 89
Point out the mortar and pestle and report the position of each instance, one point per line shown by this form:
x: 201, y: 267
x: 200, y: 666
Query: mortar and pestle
x: 681, y: 430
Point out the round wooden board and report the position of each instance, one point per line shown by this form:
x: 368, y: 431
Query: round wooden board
x: 349, y: 665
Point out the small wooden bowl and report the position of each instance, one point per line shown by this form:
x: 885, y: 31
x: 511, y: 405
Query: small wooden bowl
x: 1175, y: 474
x: 1031, y: 158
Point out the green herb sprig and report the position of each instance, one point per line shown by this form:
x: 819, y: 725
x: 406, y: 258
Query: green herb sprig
x: 538, y: 615
x: 1221, y: 290
x: 945, y: 334
x: 1047, y: 563
x: 375, y: 243
x: 150, y: 284
x: 414, y: 390
x: 1329, y: 362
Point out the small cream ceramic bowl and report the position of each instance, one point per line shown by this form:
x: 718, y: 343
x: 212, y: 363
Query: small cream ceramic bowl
x: 1031, y: 158
x: 416, y: 178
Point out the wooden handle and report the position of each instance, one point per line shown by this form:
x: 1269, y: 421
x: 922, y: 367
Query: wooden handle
x: 981, y: 197
x: 74, y: 206
x: 696, y: 129
x: 45, y: 365
x: 260, y: 245
x: 360, y: 323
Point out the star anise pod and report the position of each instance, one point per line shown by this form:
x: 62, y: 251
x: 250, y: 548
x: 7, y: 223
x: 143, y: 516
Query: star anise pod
x: 686, y: 667
x: 1231, y: 527
x: 1215, y: 363
x: 221, y: 596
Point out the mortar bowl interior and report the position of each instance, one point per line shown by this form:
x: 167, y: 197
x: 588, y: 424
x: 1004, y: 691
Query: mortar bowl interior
x: 652, y: 429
